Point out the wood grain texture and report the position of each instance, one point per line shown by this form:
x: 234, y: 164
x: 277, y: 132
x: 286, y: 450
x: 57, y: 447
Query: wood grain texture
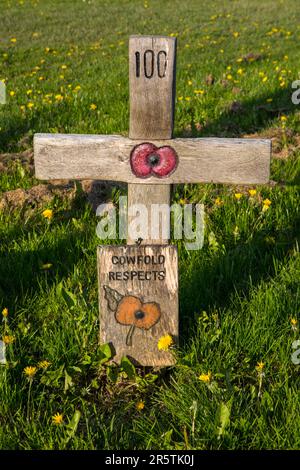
x: 152, y: 64
x: 151, y: 114
x: 143, y: 350
x: 149, y: 195
x: 106, y: 157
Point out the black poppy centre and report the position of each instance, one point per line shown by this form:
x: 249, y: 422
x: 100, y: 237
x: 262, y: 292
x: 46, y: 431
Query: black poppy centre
x: 153, y: 159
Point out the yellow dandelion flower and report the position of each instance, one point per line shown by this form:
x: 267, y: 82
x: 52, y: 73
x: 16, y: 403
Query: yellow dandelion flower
x: 199, y: 92
x: 13, y: 40
x: 238, y: 196
x: 229, y: 77
x: 259, y: 366
x: 267, y: 202
x: 8, y: 339
x: 30, y: 371
x: 64, y: 67
x: 140, y: 405
x: 59, y: 97
x: 235, y: 34
x: 28, y: 92
x: 190, y: 82
x: 44, y: 364
x: 48, y: 214
x: 294, y: 322
x: 57, y: 419
x: 5, y: 312
x: 30, y: 105
x: 283, y: 118
x: 252, y: 192
x: 240, y: 71
x: 93, y: 106
x: 218, y: 201
x: 165, y: 342
x: 187, y: 98
x: 205, y: 377
x: 12, y: 93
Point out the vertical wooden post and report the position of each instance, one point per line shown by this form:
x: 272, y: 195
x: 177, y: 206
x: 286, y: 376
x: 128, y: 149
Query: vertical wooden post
x: 152, y: 78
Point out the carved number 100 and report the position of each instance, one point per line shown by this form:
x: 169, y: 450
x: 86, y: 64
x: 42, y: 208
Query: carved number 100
x: 149, y: 63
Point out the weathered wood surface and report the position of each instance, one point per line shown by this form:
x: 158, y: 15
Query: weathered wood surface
x: 148, y: 194
x: 152, y: 64
x: 154, y: 295
x: 152, y: 98
x: 106, y: 157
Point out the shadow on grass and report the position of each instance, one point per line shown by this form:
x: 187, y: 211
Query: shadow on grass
x: 246, y: 116
x: 242, y: 267
x: 14, y: 130
x: 24, y: 271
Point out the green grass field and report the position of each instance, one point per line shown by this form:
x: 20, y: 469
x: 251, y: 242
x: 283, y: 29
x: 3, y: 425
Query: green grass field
x: 65, y: 66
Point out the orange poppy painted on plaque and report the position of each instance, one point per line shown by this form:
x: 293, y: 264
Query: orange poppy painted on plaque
x: 131, y: 311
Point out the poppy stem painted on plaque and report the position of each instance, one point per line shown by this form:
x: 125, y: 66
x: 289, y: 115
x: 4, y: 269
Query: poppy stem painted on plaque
x: 130, y: 335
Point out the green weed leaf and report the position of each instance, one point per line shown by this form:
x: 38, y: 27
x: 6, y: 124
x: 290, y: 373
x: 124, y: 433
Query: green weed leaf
x: 223, y: 418
x: 128, y: 368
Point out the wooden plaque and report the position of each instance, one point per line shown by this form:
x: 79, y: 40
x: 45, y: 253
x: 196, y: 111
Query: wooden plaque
x: 138, y: 300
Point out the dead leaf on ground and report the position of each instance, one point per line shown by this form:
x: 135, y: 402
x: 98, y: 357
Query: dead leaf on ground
x: 235, y: 107
x: 187, y: 132
x: 224, y: 83
x: 209, y: 80
x: 199, y: 126
x: 252, y: 57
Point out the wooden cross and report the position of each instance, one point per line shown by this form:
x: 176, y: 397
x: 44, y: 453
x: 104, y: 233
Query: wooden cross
x: 138, y: 284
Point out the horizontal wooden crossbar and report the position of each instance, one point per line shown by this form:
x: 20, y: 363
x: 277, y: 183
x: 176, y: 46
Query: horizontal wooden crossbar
x: 106, y: 157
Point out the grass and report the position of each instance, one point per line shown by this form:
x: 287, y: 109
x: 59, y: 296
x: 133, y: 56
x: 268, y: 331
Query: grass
x: 237, y: 295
